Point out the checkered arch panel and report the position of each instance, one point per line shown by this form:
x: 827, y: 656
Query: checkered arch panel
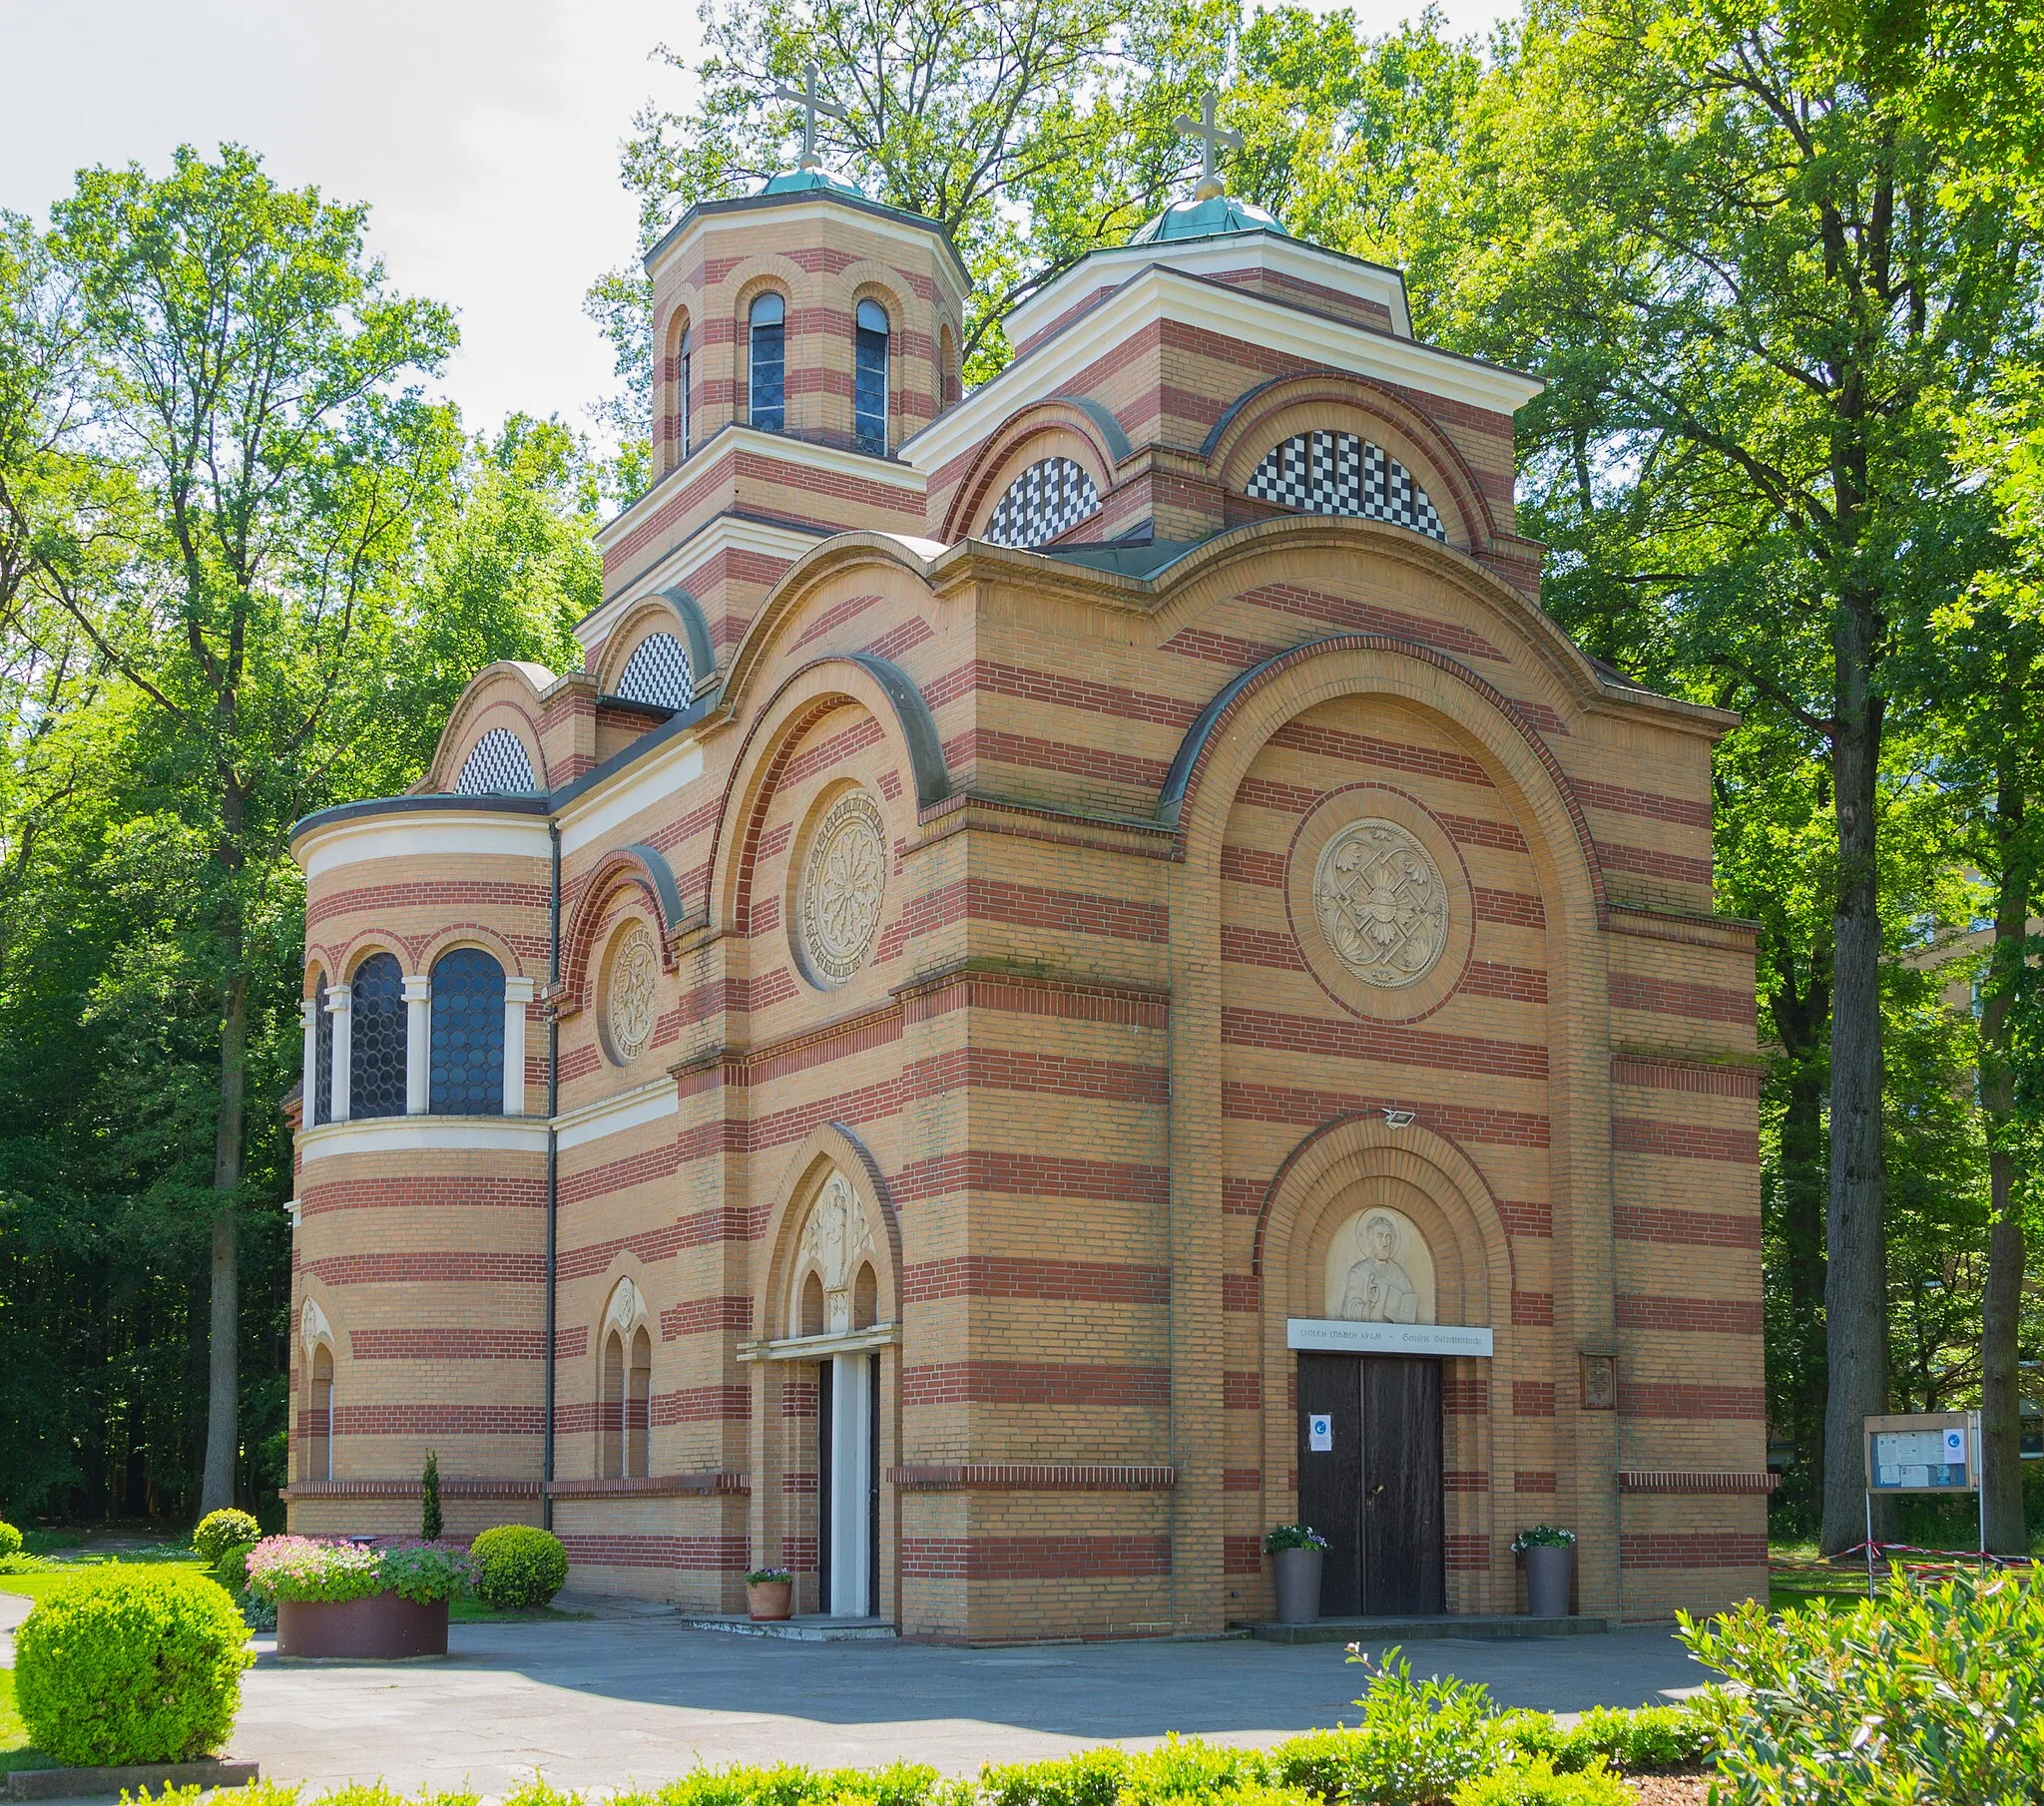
x: 497, y: 766
x: 1050, y: 498
x: 658, y: 672
x: 1339, y: 473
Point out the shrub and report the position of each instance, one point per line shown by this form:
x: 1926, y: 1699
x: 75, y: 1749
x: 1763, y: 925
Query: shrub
x: 232, y: 1570
x: 1417, y: 1741
x: 424, y: 1572
x: 431, y: 1523
x: 1536, y: 1783
x: 218, y: 1532
x: 1093, y: 1777
x: 518, y: 1566
x: 1186, y: 1769
x: 299, y: 1569
x: 1654, y: 1739
x: 1294, y: 1536
x: 1933, y: 1692
x: 130, y: 1664
x: 10, y: 1539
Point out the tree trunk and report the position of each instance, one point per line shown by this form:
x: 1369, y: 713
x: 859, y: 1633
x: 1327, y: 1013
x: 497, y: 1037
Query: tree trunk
x: 222, y: 1441
x: 1856, y: 1274
x: 2001, y: 1304
x: 1802, y: 1242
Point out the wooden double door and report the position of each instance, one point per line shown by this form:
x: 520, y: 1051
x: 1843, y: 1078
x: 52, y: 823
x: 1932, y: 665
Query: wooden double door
x: 1373, y: 1490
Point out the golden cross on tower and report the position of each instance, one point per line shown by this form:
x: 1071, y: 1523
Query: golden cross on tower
x: 805, y: 98
x: 1212, y: 138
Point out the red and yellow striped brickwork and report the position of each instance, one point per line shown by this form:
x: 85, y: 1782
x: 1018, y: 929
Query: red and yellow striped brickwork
x: 1101, y: 1091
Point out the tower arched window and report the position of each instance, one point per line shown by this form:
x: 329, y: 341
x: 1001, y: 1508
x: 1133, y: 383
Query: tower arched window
x: 319, y: 1421
x: 869, y: 378
x: 626, y: 1408
x: 376, y: 1050
x: 684, y: 373
x: 322, y: 1056
x: 768, y: 352
x: 467, y: 1063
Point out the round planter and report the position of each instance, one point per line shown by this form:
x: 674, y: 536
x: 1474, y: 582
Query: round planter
x: 385, y: 1626
x: 766, y: 1601
x: 1297, y: 1572
x: 1548, y: 1571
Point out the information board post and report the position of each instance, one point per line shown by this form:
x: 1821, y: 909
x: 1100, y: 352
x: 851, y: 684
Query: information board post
x: 1925, y: 1452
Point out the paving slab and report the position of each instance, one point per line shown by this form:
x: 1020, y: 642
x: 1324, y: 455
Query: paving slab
x: 637, y: 1700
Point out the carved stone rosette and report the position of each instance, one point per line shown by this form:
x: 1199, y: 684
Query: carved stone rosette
x: 844, y: 880
x: 1382, y: 904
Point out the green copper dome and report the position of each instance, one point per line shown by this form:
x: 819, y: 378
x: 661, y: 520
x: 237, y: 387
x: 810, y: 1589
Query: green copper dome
x: 799, y: 182
x: 1209, y: 218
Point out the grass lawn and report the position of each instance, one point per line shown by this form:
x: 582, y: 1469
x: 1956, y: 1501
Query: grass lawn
x: 14, y: 1745
x: 474, y: 1611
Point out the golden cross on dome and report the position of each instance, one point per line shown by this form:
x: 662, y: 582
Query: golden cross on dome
x: 1212, y: 138
x: 805, y: 98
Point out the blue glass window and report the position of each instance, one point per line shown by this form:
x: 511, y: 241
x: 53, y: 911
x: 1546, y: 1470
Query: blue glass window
x: 870, y: 379
x: 375, y: 1055
x: 468, y: 1035
x: 769, y: 363
x: 322, y: 1057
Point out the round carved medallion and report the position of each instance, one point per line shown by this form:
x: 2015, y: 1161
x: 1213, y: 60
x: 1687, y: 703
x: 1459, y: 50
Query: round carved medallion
x: 1382, y: 904
x: 844, y: 881
x: 635, y: 976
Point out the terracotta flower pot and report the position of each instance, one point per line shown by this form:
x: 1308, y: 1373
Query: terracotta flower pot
x: 385, y: 1626
x: 768, y: 1600
x: 1297, y: 1573
x: 1548, y: 1570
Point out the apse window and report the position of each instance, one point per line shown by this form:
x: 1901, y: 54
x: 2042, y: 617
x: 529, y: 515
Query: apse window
x: 768, y: 354
x: 870, y: 383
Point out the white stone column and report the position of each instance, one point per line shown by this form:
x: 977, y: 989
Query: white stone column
x: 518, y: 992
x: 418, y: 1044
x: 308, y: 1014
x: 850, y: 1400
x: 340, y: 998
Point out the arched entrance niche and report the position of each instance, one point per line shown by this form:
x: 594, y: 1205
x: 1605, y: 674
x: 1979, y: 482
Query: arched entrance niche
x: 827, y: 1312
x: 1323, y: 1251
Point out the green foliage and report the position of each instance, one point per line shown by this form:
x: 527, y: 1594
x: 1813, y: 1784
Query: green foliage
x: 232, y: 1570
x: 1092, y: 1777
x: 222, y: 1530
x: 1417, y: 1740
x: 1931, y: 1692
x: 518, y: 1566
x: 126, y: 1664
x: 10, y: 1539
x: 1537, y: 1783
x: 1294, y: 1536
x: 1661, y: 1739
x: 1543, y: 1536
x: 431, y: 1523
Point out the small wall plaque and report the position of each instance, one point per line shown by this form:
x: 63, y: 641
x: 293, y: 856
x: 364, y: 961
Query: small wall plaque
x: 1599, y: 1382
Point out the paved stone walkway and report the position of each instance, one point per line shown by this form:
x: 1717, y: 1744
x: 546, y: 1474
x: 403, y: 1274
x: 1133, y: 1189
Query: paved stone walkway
x: 635, y: 1699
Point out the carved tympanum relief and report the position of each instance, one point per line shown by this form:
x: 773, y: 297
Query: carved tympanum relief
x: 844, y: 880
x: 1382, y: 904
x: 835, y: 1242
x: 634, y: 999
x: 1381, y: 1270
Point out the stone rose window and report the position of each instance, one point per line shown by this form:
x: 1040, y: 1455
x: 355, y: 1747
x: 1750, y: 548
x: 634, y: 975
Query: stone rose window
x: 843, y: 883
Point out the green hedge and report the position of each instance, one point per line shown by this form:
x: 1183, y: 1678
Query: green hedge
x: 131, y: 1664
x: 10, y: 1539
x: 518, y: 1566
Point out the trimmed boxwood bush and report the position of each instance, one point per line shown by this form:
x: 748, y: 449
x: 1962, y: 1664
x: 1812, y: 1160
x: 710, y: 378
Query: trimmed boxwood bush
x: 518, y: 1566
x: 10, y: 1539
x: 218, y: 1532
x: 131, y: 1664
x: 232, y: 1570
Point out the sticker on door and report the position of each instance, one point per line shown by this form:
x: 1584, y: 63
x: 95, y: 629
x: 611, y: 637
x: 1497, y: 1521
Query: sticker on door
x: 1320, y: 1432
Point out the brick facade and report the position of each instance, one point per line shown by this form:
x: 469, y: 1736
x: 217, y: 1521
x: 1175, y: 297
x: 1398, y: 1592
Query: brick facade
x: 1100, y: 1090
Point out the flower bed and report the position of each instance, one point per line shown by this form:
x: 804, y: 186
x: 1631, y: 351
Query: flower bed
x: 379, y: 1602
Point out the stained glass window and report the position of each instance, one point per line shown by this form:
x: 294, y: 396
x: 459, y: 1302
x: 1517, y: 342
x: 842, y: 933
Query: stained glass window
x: 869, y: 380
x: 322, y: 1057
x: 375, y: 1065
x: 769, y: 363
x: 467, y: 1062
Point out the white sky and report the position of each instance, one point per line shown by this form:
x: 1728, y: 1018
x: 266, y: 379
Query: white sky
x: 484, y: 134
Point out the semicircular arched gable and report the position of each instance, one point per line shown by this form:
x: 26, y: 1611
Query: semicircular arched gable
x: 505, y: 694
x: 1070, y: 427
x: 672, y: 612
x: 1275, y: 411
x: 829, y: 1148
x: 640, y: 868
x: 817, y: 688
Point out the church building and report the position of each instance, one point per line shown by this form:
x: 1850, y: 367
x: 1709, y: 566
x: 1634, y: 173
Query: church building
x: 1078, y: 973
